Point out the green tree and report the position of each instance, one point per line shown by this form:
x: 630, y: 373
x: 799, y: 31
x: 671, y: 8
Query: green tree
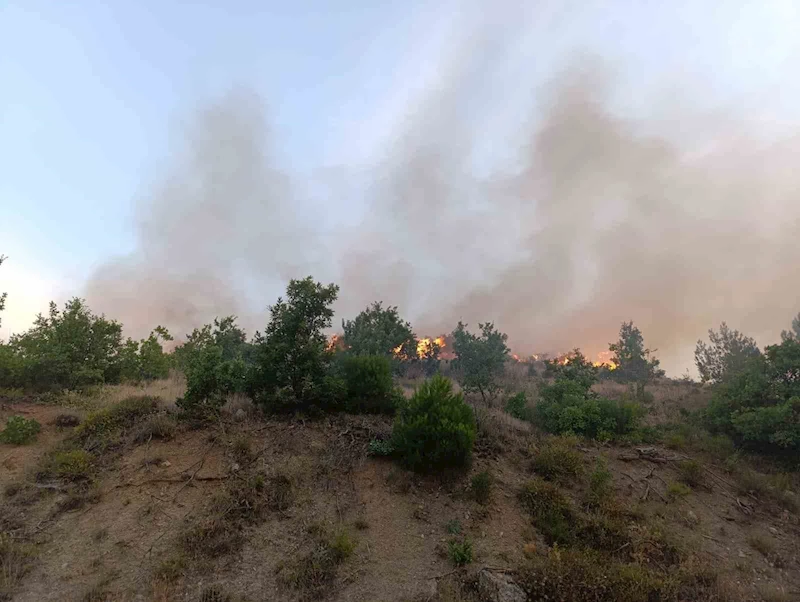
x: 291, y: 357
x: 575, y: 367
x: 145, y: 360
x: 634, y: 363
x: 70, y: 348
x: 480, y: 358
x: 380, y: 331
x: 794, y: 333
x: 760, y: 403
x: 727, y: 354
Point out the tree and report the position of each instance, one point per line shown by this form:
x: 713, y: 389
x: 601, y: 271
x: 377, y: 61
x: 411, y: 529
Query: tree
x: 70, y: 348
x: 480, y: 358
x: 760, y: 403
x: 574, y: 367
x: 379, y: 331
x: 292, y: 356
x: 145, y: 360
x: 634, y: 362
x: 727, y: 354
x: 794, y: 333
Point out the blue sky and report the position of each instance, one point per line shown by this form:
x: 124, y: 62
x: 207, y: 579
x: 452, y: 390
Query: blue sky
x: 92, y: 93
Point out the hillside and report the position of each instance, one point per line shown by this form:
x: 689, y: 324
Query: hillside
x: 254, y: 508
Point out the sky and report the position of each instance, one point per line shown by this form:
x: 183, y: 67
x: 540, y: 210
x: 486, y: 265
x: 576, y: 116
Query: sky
x: 94, y: 95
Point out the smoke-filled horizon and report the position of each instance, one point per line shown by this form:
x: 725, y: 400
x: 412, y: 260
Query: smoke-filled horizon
x: 586, y: 217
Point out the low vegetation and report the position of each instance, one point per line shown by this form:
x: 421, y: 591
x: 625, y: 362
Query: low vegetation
x: 20, y: 431
x: 435, y: 429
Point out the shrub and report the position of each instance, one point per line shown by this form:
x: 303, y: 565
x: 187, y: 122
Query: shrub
x: 551, y: 511
x: 159, y: 426
x: 16, y: 559
x: 315, y: 572
x: 517, y: 406
x: 556, y: 460
x: 459, y: 552
x: 676, y: 491
x: 380, y: 447
x: 567, y: 406
x: 481, y: 487
x: 601, y: 484
x: 691, y: 472
x: 480, y: 359
x: 582, y: 575
x: 72, y: 465
x: 369, y: 384
x: 435, y: 428
x: 453, y: 527
x: 20, y: 431
x: 119, y: 416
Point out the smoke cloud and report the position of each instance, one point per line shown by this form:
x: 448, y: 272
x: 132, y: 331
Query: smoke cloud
x: 672, y: 220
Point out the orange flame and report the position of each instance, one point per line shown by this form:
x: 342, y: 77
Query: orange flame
x: 426, y: 346
x: 334, y: 341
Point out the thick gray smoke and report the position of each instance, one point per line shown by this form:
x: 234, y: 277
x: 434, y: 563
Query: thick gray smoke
x: 597, y: 219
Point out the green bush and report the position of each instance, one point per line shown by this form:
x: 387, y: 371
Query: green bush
x: 691, y: 472
x: 20, y: 431
x: 601, y: 484
x: 380, y: 447
x: 551, y: 511
x: 72, y: 465
x: 481, y: 487
x: 435, y: 428
x: 517, y: 406
x: 380, y: 331
x: 370, y: 388
x: 459, y: 552
x: 568, y: 406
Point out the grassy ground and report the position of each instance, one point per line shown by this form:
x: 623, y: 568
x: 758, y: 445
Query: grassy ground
x: 134, y: 504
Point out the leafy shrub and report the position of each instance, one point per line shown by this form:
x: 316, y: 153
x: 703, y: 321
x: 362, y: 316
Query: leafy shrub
x: 517, y: 406
x: 691, y: 472
x: 459, y: 552
x: 574, y: 367
x: 145, y: 360
x: 369, y: 384
x: 214, y: 360
x: 435, y: 428
x: 20, y: 431
x: 557, y: 460
x: 481, y: 487
x: 480, y: 358
x: 567, y: 406
x: 380, y: 447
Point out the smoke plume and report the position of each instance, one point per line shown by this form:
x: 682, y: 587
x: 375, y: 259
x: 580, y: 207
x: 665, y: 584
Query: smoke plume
x: 668, y: 220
